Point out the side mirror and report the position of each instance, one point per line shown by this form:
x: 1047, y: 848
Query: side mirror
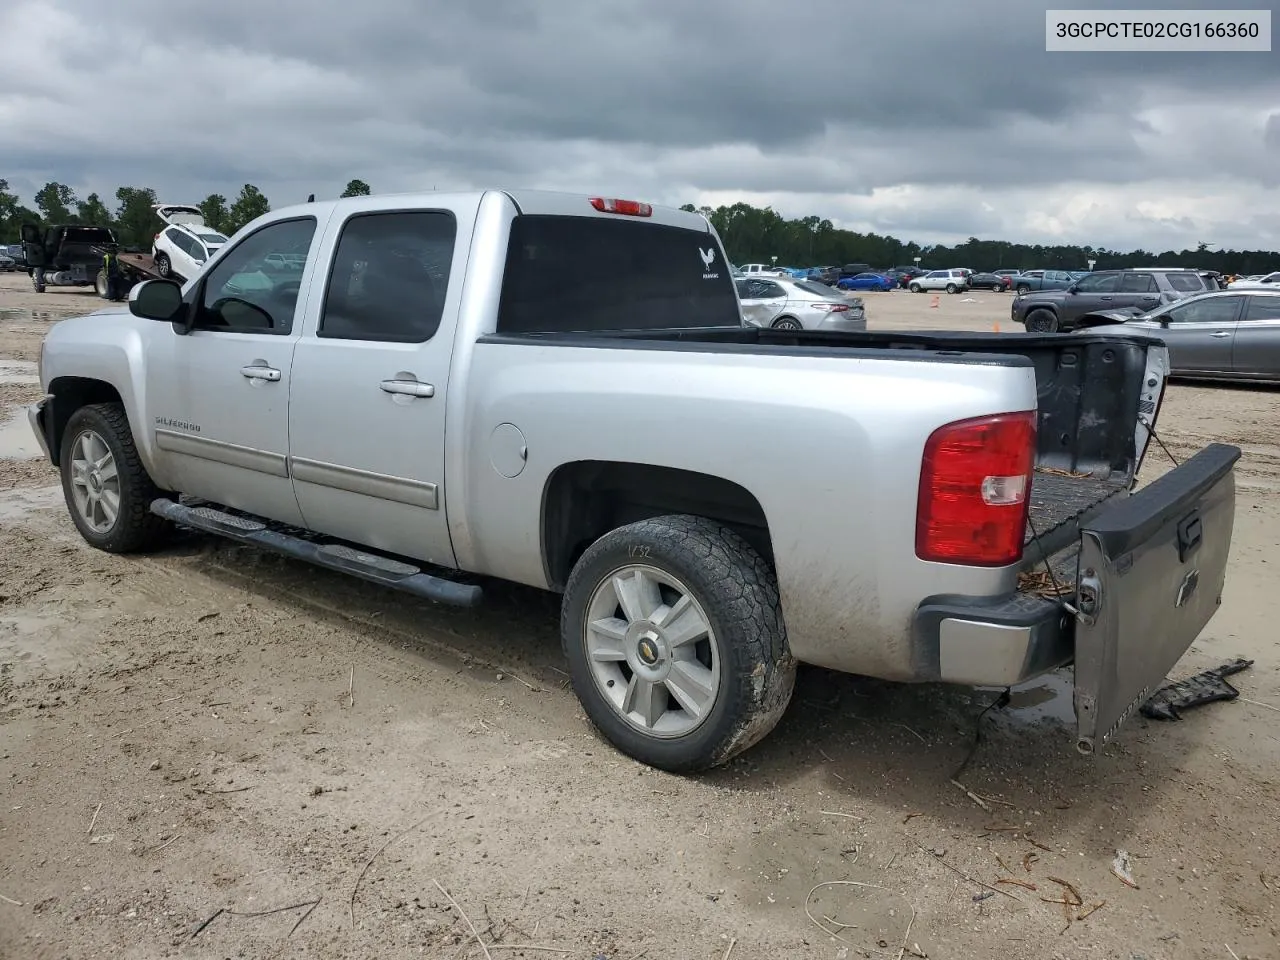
x: 156, y: 300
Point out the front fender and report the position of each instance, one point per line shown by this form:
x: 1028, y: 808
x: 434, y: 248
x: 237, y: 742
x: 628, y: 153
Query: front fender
x: 108, y: 348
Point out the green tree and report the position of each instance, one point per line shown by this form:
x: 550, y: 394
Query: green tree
x: 92, y: 210
x: 250, y: 205
x: 9, y: 206
x: 55, y: 201
x: 136, y: 222
x: 754, y: 235
x: 356, y: 188
x: 213, y: 209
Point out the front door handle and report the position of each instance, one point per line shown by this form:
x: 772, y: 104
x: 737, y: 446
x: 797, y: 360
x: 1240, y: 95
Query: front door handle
x: 410, y: 388
x: 1220, y: 334
x: 260, y: 373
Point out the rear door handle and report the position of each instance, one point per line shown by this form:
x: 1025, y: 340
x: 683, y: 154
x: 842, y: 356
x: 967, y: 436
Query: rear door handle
x: 260, y: 373
x: 1220, y: 334
x: 410, y: 388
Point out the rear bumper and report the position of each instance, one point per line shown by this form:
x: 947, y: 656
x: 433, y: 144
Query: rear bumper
x: 996, y: 641
x: 1147, y: 579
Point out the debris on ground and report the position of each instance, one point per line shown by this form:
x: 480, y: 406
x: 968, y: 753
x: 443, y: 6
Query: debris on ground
x: 1207, y: 686
x: 1122, y: 867
x: 1044, y: 584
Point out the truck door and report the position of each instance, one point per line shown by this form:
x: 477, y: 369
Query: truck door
x: 371, y: 380
x: 218, y: 396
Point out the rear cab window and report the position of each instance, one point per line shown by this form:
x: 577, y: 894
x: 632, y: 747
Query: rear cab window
x: 568, y: 274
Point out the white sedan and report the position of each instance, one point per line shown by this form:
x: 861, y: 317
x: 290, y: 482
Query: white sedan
x: 785, y: 304
x: 1270, y: 282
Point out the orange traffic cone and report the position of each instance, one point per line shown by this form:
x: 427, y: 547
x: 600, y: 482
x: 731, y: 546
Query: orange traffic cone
x: 995, y: 328
x: 936, y: 298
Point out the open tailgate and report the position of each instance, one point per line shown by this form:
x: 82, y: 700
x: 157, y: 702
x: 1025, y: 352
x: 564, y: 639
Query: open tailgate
x: 1151, y: 573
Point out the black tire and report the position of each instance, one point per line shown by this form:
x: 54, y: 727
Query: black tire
x: 163, y: 265
x: 952, y: 288
x: 135, y: 527
x: 738, y: 593
x: 1023, y: 291
x: 787, y: 323
x: 914, y: 288
x: 1041, y: 321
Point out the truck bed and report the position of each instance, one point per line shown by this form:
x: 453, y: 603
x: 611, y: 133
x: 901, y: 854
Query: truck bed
x: 1091, y: 389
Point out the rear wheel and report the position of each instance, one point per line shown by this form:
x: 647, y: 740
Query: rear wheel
x: 107, y: 489
x: 1041, y: 321
x: 952, y: 288
x: 787, y: 323
x: 673, y: 632
x: 163, y: 266
x: 100, y: 284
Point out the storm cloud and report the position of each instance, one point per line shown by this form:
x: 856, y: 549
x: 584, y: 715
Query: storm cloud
x: 930, y: 121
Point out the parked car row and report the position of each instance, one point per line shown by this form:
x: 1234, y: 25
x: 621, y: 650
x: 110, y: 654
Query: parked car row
x: 1135, y: 291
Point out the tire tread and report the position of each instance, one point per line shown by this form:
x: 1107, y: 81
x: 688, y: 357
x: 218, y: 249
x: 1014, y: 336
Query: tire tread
x: 746, y: 606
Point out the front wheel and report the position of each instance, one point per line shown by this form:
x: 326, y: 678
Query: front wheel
x: 1041, y: 321
x: 107, y: 489
x: 914, y: 288
x: 673, y: 632
x: 1023, y: 291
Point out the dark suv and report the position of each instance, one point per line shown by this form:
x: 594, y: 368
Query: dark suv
x: 1051, y: 311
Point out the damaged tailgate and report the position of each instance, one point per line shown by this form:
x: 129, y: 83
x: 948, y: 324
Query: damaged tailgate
x: 1151, y: 572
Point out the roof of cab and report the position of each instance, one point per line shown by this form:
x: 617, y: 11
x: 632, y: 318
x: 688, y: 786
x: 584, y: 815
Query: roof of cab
x: 535, y: 202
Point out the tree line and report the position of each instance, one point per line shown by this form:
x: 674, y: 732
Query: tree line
x: 133, y: 219
x: 755, y: 235
x: 750, y: 235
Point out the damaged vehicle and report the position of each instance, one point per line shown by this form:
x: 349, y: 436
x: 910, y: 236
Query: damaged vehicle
x: 558, y: 390
x: 182, y: 248
x: 1225, y: 335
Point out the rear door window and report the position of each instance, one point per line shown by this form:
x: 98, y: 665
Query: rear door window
x: 1185, y: 282
x: 1263, y: 308
x: 1138, y: 283
x: 576, y: 274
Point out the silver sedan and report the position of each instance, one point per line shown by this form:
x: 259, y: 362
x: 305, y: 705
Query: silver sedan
x: 1225, y: 335
x: 785, y: 304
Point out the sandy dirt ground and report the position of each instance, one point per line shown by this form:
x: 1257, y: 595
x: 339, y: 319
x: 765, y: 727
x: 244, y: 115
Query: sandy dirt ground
x: 212, y: 752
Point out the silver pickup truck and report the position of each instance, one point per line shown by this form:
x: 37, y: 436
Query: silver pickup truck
x: 557, y: 390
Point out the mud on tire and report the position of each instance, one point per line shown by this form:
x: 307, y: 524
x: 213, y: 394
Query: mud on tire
x: 135, y: 527
x: 736, y: 591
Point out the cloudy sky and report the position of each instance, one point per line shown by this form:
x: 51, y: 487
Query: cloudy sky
x: 930, y: 120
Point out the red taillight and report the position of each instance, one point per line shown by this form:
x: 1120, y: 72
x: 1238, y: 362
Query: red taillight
x: 628, y: 208
x: 974, y: 485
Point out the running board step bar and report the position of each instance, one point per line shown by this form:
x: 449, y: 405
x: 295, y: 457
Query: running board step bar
x: 384, y: 571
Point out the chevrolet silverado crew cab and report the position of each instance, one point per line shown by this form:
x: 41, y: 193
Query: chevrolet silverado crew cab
x: 425, y: 391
